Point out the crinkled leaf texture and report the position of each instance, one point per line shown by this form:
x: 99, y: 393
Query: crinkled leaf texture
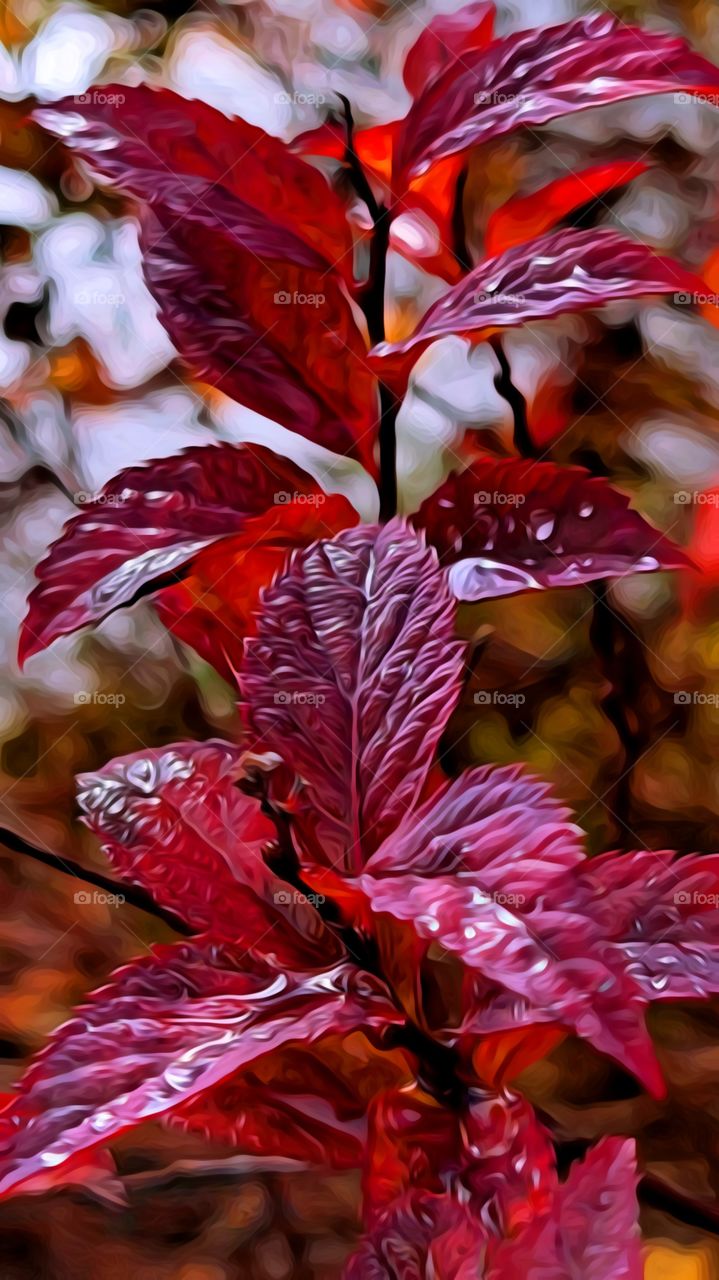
x: 490, y: 869
x: 513, y: 525
x: 351, y: 678
x: 152, y: 520
x: 483, y: 1200
x: 171, y: 1029
x: 246, y: 250
x: 535, y: 76
x: 552, y: 275
x: 173, y: 820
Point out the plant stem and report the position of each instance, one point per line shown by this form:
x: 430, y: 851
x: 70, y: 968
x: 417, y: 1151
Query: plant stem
x: 132, y: 894
x: 523, y: 442
x: 373, y: 306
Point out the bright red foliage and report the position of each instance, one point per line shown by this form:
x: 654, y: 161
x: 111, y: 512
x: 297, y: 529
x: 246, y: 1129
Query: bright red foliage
x: 327, y: 869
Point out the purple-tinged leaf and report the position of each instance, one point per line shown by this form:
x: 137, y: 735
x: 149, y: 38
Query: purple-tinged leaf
x: 552, y: 275
x: 167, y: 1029
x: 506, y: 526
x: 172, y: 820
x: 487, y: 869
x: 659, y: 916
x: 445, y: 43
x: 351, y: 678
x: 246, y: 250
x: 146, y: 525
x: 592, y: 1230
x: 423, y: 1235
x: 494, y: 821
x: 535, y: 76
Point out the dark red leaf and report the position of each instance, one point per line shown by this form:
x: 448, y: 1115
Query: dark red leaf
x: 555, y: 274
x: 487, y: 870
x: 423, y: 1235
x: 151, y: 521
x: 172, y: 820
x: 534, y: 76
x: 166, y: 1030
x: 592, y: 1229
x: 524, y: 217
x: 445, y: 43
x: 245, y: 248
x: 512, y: 525
x: 351, y: 678
x: 215, y: 606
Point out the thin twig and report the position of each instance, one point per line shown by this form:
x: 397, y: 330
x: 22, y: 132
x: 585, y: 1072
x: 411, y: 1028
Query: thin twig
x: 372, y: 300
x: 523, y: 442
x: 130, y: 893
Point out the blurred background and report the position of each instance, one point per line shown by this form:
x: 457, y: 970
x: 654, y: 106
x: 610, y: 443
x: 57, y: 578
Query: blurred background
x: 619, y: 707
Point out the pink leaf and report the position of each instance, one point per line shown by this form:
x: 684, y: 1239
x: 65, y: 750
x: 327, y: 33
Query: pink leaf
x: 592, y: 1230
x: 167, y: 1029
x: 246, y: 250
x: 147, y: 524
x: 660, y: 916
x: 488, y: 870
x: 423, y: 1235
x: 172, y: 820
x: 351, y: 678
x: 553, y: 275
x: 445, y: 43
x: 534, y: 76
x: 508, y: 526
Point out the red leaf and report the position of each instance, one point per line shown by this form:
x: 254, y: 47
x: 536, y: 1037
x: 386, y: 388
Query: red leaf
x: 444, y: 44
x: 495, y: 1156
x: 241, y: 242
x: 524, y: 217
x: 534, y: 76
x: 592, y: 1230
x: 659, y: 915
x: 351, y: 678
x: 215, y: 606
x: 298, y: 1104
x: 562, y: 272
x: 167, y: 1029
x: 172, y: 820
x: 487, y: 870
x: 423, y: 1235
x: 151, y: 521
x: 512, y: 525
x: 153, y: 137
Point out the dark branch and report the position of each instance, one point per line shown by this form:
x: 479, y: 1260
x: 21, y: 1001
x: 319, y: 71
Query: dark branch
x: 132, y: 894
x: 373, y: 307
x: 523, y: 442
